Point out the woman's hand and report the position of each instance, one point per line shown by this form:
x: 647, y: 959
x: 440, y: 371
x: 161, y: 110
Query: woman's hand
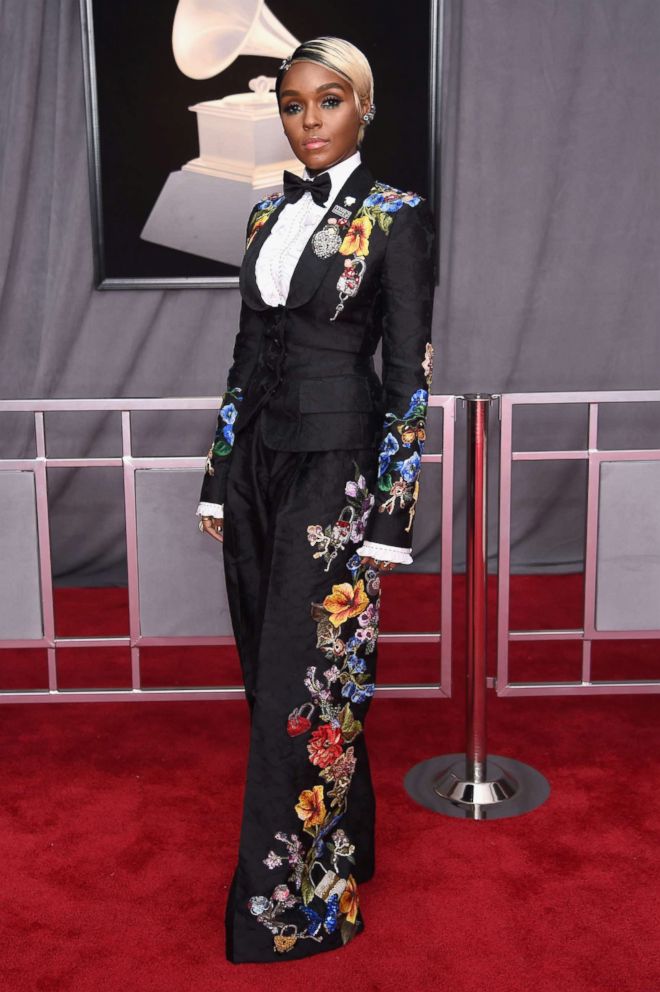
x: 213, y: 527
x: 382, y: 566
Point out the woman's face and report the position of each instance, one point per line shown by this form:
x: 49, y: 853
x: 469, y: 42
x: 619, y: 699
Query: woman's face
x: 319, y: 115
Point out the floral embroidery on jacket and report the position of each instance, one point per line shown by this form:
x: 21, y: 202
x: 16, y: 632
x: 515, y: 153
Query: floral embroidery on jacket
x: 320, y: 895
x: 399, y: 479
x: 376, y: 210
x: 223, y: 441
x: 427, y: 364
x: 263, y: 211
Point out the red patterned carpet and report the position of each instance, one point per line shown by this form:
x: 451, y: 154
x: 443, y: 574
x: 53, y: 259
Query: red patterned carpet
x: 118, y: 825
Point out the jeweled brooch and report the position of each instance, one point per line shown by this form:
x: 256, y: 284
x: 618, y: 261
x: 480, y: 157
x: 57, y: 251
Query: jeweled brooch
x: 327, y: 241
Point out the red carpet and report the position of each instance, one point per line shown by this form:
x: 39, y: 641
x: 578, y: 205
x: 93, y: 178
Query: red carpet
x: 119, y: 822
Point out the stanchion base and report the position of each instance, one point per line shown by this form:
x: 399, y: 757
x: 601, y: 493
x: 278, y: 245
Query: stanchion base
x: 441, y: 784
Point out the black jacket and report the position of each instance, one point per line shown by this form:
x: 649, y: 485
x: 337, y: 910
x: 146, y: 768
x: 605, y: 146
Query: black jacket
x: 309, y: 364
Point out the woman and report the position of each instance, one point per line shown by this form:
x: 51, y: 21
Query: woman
x: 315, y: 464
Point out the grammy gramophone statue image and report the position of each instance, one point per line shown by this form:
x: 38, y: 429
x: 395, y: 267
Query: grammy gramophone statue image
x: 242, y: 149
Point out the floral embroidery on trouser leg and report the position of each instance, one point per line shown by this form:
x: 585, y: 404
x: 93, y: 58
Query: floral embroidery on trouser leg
x: 347, y: 630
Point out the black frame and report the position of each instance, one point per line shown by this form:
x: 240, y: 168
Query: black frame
x: 182, y: 270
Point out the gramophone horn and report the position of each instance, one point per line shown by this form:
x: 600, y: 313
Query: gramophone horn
x: 207, y: 35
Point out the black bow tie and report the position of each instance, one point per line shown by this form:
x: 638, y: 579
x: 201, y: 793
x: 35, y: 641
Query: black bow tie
x: 319, y: 187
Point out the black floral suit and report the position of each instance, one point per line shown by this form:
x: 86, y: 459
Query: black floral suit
x: 313, y: 455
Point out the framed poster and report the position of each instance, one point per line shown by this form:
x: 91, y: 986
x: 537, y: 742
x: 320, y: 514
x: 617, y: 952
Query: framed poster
x: 183, y: 131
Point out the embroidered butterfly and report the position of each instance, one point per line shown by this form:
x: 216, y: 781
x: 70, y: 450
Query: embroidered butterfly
x: 412, y: 432
x: 328, y: 921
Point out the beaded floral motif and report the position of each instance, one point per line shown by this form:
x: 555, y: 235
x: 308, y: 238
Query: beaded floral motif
x: 375, y: 211
x: 349, y: 526
x: 263, y: 211
x: 320, y: 895
x: 223, y: 441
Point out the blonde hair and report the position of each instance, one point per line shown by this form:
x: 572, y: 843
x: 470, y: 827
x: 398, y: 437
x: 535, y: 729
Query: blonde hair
x: 343, y: 58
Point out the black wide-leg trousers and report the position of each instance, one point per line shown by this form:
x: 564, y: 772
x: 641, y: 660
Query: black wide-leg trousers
x: 304, y: 610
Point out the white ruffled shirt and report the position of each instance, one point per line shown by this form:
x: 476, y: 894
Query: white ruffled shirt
x: 274, y: 268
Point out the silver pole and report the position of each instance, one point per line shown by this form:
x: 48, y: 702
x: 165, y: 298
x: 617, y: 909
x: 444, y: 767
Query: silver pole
x: 458, y: 784
x: 476, y: 585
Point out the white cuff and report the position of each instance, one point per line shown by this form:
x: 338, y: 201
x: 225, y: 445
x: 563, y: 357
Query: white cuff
x: 385, y: 552
x: 210, y: 510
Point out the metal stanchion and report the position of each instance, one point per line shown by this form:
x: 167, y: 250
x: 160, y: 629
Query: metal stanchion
x: 472, y: 785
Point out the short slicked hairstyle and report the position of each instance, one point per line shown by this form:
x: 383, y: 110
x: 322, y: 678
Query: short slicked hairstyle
x: 341, y: 57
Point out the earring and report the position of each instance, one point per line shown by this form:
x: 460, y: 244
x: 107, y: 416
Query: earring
x: 370, y: 114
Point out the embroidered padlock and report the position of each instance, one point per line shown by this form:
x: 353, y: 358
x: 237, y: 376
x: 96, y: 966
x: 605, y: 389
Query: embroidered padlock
x: 331, y: 884
x: 341, y: 530
x: 351, y: 276
x: 349, y: 281
x: 285, y: 941
x: 298, y: 722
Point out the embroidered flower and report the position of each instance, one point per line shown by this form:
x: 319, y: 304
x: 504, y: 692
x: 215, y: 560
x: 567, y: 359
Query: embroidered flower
x: 281, y: 893
x: 368, y: 637
x: 353, y: 488
x: 350, y: 900
x: 294, y: 847
x: 272, y: 860
x: 427, y: 364
x: 409, y: 468
x: 369, y: 616
x: 358, y: 530
x: 254, y: 229
x: 356, y: 664
x: 389, y: 202
x: 356, y: 239
x: 224, y: 434
x: 343, y: 767
x: 418, y: 403
x: 311, y: 807
x: 259, y: 905
x: 388, y: 447
x: 267, y: 202
x: 263, y: 211
x: 346, y: 601
x: 229, y: 413
x: 342, y: 845
x: 358, y: 693
x: 314, y: 534
x: 325, y: 746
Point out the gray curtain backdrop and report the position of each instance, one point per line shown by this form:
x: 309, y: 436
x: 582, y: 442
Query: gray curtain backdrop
x: 549, y: 260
